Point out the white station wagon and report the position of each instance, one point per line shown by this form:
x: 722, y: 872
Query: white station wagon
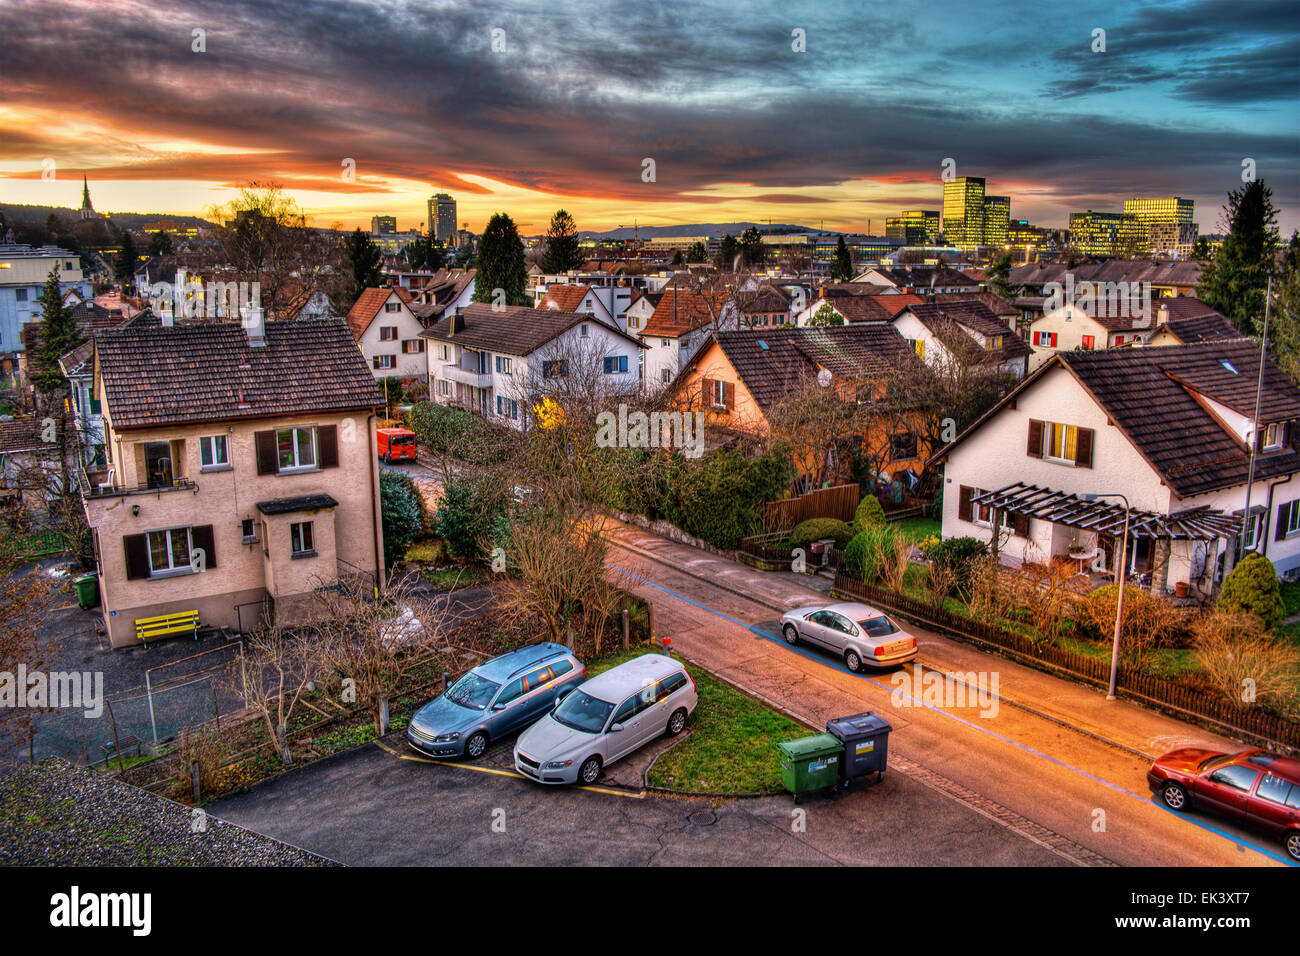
x: 606, y: 718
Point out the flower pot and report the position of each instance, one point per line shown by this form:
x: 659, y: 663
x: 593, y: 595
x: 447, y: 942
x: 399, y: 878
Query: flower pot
x: 1180, y: 589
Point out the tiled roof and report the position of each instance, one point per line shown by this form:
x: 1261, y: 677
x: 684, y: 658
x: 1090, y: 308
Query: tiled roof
x: 21, y: 434
x: 566, y: 298
x: 999, y: 305
x: 927, y: 277
x: 1149, y: 394
x: 1202, y: 328
x: 766, y: 298
x: 975, y: 315
x: 1186, y: 272
x: 513, y: 330
x: 155, y: 375
x: 870, y: 308
x: 367, y: 306
x: 772, y: 362
x: 678, y: 312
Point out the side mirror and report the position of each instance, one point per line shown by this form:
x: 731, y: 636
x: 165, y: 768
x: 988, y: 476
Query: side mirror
x: 498, y: 706
x: 614, y: 728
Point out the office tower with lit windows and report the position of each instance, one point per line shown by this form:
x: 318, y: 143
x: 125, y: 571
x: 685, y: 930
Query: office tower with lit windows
x: 963, y: 212
x: 916, y: 227
x: 1166, y: 224
x: 997, y: 219
x: 442, y: 219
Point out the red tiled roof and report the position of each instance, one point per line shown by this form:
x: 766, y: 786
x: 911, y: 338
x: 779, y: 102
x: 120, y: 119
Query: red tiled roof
x: 21, y: 434
x: 566, y: 298
x: 679, y: 311
x: 367, y: 306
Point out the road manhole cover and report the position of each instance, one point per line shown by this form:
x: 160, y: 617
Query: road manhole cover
x: 702, y: 818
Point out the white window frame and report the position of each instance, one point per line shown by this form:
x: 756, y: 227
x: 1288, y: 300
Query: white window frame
x: 985, y: 520
x: 208, y: 449
x: 1252, y: 531
x: 297, y: 466
x: 719, y: 397
x: 384, y: 362
x: 171, y: 569
x: 1275, y: 441
x: 252, y: 523
x: 1293, y: 521
x: 1048, y: 443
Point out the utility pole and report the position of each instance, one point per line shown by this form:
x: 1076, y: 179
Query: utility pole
x: 1254, y: 438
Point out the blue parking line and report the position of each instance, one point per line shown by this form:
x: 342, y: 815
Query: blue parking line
x: 1037, y: 753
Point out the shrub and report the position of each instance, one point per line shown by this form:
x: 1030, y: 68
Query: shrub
x: 1252, y: 588
x: 1244, y: 664
x: 957, y: 556
x: 720, y: 496
x: 856, y: 556
x: 446, y: 430
x: 870, y: 514
x: 1149, y: 621
x: 401, y: 512
x: 815, y: 529
x: 464, y: 515
x: 873, y: 553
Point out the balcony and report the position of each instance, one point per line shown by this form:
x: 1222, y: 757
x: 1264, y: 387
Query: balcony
x: 103, y: 484
x: 456, y: 373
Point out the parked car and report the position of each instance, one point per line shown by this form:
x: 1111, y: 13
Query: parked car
x: 1254, y: 787
x: 396, y: 444
x: 857, y: 633
x: 494, y: 699
x: 606, y: 719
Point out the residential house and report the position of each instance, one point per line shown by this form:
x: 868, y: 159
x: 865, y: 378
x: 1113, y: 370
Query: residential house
x: 763, y: 307
x: 741, y: 378
x: 679, y: 325
x: 29, y: 465
x: 920, y: 279
x: 388, y: 333
x: 1099, y: 324
x: 1186, y: 320
x: 580, y: 299
x: 442, y: 294
x: 958, y: 331
x: 241, y: 472
x: 640, y: 308
x: 23, y: 273
x: 864, y: 306
x: 1172, y: 429
x: 495, y: 362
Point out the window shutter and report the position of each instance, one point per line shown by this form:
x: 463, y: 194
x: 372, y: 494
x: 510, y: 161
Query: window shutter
x: 706, y: 392
x: 201, y: 537
x: 268, y: 460
x: 964, y: 496
x: 1021, y: 524
x: 327, y: 445
x: 1283, y: 520
x: 1034, y: 447
x: 729, y: 395
x: 1053, y: 340
x: 1083, y: 448
x: 137, y: 556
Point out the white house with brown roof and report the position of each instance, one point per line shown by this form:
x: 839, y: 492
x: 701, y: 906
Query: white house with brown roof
x: 241, y: 472
x: 1171, y: 429
x: 963, y: 331
x: 388, y: 333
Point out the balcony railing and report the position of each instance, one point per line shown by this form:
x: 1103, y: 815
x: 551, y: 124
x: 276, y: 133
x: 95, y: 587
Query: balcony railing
x: 103, y: 484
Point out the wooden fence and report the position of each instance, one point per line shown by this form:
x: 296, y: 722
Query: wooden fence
x: 1255, y: 721
x: 840, y: 502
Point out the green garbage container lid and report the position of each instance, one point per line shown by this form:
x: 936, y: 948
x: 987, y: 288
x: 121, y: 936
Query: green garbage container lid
x: 813, y: 746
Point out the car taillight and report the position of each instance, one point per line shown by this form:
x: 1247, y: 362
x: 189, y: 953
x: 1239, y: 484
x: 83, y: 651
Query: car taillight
x: 914, y: 642
x: 880, y: 650
x: 689, y: 678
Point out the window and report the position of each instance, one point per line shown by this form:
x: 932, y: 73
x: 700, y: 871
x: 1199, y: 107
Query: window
x: 918, y: 346
x: 1119, y: 340
x: 983, y: 514
x: 664, y: 343
x: 300, y: 539
x: 1288, y: 519
x: 561, y: 667
x: 1274, y: 789
x: 1273, y: 436
x: 665, y: 375
x: 626, y: 711
x: 1252, y: 532
x: 503, y: 364
x: 248, y: 528
x: 385, y: 361
x: 296, y: 448
x: 20, y: 295
x: 213, y: 453
x: 412, y: 346
x: 671, y: 684
x: 392, y: 307
x: 444, y: 387
x: 1046, y: 339
x: 536, y: 678
x: 507, y: 407
x: 902, y: 446
x: 1089, y: 341
x: 1235, y: 776
x: 558, y: 368
x: 169, y: 551
x: 388, y: 333
x: 633, y: 322
x: 1062, y: 442
x: 718, y: 398
x: 994, y: 344
x: 584, y: 332
x: 443, y: 351
x: 615, y: 364
x: 512, y: 692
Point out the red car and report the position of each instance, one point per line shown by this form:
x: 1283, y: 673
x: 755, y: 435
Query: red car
x: 396, y: 444
x: 1255, y: 787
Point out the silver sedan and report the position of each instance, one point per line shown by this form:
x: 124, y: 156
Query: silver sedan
x: 857, y: 633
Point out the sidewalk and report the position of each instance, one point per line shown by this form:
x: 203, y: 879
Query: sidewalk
x: 1120, y: 723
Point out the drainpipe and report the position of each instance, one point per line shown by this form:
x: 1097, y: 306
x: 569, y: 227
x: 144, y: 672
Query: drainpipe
x: 375, y: 504
x: 1265, y: 528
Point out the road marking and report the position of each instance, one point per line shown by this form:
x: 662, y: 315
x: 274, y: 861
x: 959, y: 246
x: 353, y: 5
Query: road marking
x: 496, y: 771
x: 1037, y: 753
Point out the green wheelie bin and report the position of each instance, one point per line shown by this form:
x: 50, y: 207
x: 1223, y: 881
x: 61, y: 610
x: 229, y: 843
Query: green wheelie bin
x: 810, y: 763
x: 88, y: 590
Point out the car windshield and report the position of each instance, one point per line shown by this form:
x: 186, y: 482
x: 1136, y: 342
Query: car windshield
x: 1218, y: 760
x: 583, y: 712
x: 403, y: 439
x: 878, y: 626
x: 473, y: 691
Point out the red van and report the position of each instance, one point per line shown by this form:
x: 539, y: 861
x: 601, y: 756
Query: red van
x: 1254, y: 787
x: 396, y: 444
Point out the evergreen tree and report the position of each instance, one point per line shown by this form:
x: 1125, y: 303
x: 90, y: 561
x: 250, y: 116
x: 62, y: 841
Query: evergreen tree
x: 500, y: 263
x: 160, y: 243
x: 365, y: 260
x: 842, y: 269
x: 124, y: 269
x: 727, y: 252
x: 678, y: 258
x: 1234, y: 280
x: 751, y: 247
x: 59, y: 336
x: 1000, y: 278
x: 698, y: 252
x: 426, y: 253
x: 562, y: 252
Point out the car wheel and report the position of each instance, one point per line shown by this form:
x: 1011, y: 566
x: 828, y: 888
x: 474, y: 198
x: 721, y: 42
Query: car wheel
x: 677, y: 722
x: 791, y: 634
x: 1175, y: 796
x: 589, y: 772
x: 476, y: 744
x: 852, y: 661
x: 1292, y: 843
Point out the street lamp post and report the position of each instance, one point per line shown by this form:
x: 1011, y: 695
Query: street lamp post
x: 1119, y: 578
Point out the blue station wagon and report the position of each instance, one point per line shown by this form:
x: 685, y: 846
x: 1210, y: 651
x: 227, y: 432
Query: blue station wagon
x: 497, y: 698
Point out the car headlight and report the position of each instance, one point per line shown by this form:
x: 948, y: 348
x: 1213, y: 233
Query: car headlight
x: 445, y: 738
x: 558, y: 764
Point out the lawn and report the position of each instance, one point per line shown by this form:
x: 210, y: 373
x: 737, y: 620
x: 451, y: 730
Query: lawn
x: 918, y: 529
x: 732, y: 742
x: 457, y: 576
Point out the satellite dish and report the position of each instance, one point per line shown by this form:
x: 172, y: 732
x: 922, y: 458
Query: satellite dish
x: 824, y: 377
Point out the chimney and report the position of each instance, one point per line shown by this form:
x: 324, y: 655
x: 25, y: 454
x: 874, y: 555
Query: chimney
x: 254, y: 325
x: 1162, y: 315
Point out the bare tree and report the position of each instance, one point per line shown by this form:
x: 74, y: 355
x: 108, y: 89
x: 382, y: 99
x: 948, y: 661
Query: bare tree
x: 26, y: 596
x: 274, y: 670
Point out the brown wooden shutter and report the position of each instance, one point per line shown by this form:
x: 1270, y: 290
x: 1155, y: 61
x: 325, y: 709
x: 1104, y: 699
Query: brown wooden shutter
x: 1283, y: 519
x: 327, y: 445
x: 1083, y: 448
x: 729, y: 395
x: 1021, y: 524
x: 268, y: 459
x: 964, y: 496
x: 136, y: 547
x: 1034, y: 447
x: 202, y: 537
x: 706, y: 392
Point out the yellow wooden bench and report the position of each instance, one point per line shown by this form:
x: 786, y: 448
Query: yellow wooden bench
x: 165, y: 625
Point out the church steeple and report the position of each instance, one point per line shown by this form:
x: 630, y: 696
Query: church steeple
x: 87, y: 210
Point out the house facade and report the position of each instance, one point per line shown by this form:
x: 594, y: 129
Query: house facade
x: 388, y: 334
x: 240, y: 474
x: 1171, y: 429
x: 1069, y: 327
x: 963, y: 332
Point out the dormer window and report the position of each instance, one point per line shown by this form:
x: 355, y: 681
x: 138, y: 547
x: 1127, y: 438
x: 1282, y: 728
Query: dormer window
x: 1272, y: 437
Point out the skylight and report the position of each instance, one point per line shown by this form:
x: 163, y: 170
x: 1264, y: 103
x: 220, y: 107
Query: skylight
x: 762, y: 345
x: 1229, y: 366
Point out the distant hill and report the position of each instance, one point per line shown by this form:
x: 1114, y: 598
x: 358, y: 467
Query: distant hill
x: 128, y: 220
x: 695, y: 229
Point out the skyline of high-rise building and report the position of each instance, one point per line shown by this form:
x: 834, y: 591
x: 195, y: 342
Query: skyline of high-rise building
x: 442, y: 219
x: 963, y: 211
x: 997, y: 220
x: 915, y: 226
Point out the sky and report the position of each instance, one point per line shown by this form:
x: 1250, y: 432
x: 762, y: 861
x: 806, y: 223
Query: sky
x: 367, y: 108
